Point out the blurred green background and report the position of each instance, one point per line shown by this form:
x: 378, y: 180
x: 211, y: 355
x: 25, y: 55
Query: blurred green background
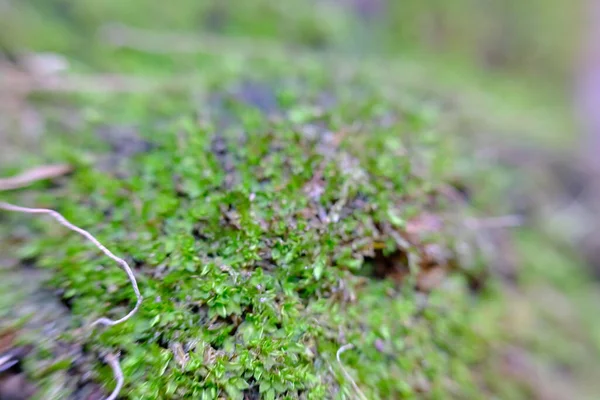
x: 510, y: 56
x: 535, y: 38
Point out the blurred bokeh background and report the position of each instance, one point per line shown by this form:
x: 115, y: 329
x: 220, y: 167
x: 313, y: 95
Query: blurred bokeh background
x: 534, y: 38
x: 525, y: 52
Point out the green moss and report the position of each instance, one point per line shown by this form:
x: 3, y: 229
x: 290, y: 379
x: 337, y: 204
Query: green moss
x: 249, y: 235
x: 253, y: 204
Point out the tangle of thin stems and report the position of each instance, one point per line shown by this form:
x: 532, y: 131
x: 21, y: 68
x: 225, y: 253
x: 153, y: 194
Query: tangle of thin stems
x: 346, y: 373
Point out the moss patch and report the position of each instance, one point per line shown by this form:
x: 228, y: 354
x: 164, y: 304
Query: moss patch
x: 251, y: 224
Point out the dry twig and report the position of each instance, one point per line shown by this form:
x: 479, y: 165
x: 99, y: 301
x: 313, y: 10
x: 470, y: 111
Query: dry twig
x: 501, y: 222
x: 33, y: 175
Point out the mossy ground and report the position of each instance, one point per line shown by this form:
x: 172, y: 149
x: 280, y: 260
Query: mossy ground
x: 269, y: 209
x: 248, y: 219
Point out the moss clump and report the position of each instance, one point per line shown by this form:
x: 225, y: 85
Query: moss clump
x: 254, y: 226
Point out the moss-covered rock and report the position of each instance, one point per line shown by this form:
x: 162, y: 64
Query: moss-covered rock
x: 290, y: 217
x: 270, y: 223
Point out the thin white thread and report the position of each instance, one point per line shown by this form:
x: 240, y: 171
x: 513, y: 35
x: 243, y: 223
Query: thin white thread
x: 63, y: 221
x: 346, y: 373
x: 113, y: 361
x: 110, y: 359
